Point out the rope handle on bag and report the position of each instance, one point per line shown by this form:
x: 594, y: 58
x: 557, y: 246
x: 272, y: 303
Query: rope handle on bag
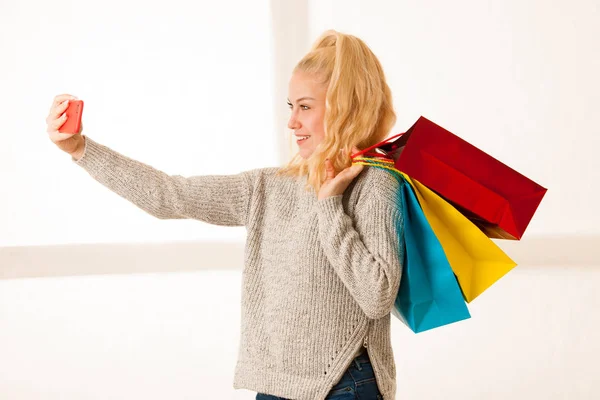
x: 381, y: 163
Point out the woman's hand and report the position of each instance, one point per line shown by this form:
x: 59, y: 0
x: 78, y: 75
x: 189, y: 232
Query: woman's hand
x: 71, y: 143
x: 336, y: 183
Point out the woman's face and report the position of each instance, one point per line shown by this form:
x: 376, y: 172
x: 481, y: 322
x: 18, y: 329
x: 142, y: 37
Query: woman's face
x: 307, y: 105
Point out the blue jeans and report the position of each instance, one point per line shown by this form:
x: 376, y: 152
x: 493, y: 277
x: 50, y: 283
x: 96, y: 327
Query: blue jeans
x: 358, y: 382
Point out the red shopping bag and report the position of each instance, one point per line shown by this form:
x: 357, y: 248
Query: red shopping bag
x: 495, y: 197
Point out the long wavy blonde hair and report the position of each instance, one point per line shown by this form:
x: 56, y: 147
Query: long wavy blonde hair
x: 358, y: 108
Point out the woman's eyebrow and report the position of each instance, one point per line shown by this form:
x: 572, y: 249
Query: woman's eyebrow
x: 302, y: 98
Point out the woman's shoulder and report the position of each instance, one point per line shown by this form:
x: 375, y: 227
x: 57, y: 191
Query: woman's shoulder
x: 381, y: 178
x: 263, y: 176
x: 377, y: 184
x: 260, y: 172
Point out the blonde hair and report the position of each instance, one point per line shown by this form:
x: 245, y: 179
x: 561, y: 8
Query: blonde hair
x: 358, y: 108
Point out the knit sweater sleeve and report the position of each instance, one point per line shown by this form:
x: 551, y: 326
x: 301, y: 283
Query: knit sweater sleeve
x: 366, y: 252
x: 214, y: 199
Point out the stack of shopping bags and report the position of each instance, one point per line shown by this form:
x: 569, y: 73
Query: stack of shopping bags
x: 455, y: 198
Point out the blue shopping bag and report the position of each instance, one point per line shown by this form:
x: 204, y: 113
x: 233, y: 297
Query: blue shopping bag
x: 429, y: 294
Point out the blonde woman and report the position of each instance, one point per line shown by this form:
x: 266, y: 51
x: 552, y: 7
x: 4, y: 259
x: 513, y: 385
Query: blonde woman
x: 323, y: 253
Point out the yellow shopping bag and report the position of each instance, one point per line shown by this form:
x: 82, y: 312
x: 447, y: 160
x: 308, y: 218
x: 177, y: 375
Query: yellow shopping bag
x: 475, y: 259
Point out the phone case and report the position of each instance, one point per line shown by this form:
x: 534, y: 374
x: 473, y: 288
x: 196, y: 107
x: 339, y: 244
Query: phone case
x: 73, y: 122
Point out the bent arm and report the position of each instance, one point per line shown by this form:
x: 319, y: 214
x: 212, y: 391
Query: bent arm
x: 366, y: 253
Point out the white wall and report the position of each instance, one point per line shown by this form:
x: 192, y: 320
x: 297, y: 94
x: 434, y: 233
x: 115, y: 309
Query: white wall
x: 185, y: 87
x: 169, y: 84
x: 80, y: 319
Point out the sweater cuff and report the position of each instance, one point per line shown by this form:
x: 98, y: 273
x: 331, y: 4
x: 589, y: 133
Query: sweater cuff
x: 329, y: 212
x: 329, y: 205
x: 92, y: 158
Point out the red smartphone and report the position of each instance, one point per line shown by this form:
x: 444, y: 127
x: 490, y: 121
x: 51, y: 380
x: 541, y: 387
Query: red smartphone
x: 73, y: 122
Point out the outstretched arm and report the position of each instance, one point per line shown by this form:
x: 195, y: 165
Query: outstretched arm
x: 214, y: 199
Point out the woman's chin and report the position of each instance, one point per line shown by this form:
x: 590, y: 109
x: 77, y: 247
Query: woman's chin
x: 305, y: 153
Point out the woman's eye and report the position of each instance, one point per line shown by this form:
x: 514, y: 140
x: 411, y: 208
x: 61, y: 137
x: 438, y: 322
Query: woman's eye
x: 291, y: 106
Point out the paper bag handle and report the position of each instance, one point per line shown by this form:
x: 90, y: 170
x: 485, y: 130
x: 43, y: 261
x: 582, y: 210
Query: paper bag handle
x: 394, y: 147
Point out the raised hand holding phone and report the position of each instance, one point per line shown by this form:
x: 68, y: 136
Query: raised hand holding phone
x: 64, y: 124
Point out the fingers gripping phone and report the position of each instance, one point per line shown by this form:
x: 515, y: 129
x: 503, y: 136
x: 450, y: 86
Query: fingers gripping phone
x: 73, y: 122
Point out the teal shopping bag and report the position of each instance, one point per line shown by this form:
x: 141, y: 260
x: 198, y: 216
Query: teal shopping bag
x: 429, y: 294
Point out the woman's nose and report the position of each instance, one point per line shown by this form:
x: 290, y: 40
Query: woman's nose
x: 293, y: 123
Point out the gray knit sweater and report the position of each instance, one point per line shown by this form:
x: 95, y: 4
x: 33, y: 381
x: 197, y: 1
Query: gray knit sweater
x: 320, y: 276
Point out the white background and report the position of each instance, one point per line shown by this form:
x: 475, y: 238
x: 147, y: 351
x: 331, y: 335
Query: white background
x: 200, y: 88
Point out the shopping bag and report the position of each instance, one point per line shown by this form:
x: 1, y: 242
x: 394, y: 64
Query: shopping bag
x: 498, y: 199
x: 429, y: 295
